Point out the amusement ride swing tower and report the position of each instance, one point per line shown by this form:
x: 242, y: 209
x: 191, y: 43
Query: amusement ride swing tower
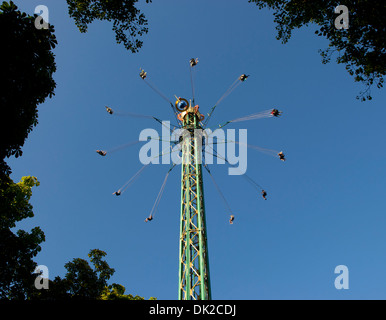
x: 193, y: 271
x: 194, y: 279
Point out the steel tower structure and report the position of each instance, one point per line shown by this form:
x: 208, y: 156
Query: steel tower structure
x: 194, y: 279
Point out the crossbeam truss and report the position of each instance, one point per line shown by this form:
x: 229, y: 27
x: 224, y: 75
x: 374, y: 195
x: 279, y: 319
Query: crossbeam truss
x: 194, y: 281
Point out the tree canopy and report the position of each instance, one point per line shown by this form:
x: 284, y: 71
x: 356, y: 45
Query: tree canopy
x: 117, y: 292
x: 17, y: 250
x: 25, y: 83
x: 128, y: 22
x: 26, y: 77
x: 85, y: 282
x: 361, y: 47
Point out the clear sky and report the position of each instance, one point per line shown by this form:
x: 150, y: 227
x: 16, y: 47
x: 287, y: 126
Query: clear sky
x: 326, y: 203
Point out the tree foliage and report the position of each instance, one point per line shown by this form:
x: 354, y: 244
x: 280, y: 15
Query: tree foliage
x: 17, y: 249
x: 26, y: 81
x: 128, y: 22
x: 27, y: 69
x: 117, y: 292
x: 361, y: 47
x: 81, y: 282
x: 26, y: 77
x: 85, y: 282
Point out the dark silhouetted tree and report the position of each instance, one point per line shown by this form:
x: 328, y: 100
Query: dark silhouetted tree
x: 84, y: 282
x: 17, y: 249
x: 28, y: 64
x: 361, y: 47
x: 128, y: 22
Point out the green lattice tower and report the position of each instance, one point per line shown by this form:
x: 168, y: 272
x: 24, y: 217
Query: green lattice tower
x: 194, y: 279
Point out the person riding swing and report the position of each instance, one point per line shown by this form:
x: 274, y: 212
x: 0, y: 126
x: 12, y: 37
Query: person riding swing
x: 109, y: 110
x: 193, y: 62
x: 101, y: 152
x: 243, y: 77
x: 143, y: 74
x: 149, y: 219
x: 275, y: 112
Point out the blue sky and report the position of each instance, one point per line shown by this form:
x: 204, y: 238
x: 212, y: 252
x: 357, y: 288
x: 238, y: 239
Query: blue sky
x: 326, y: 203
